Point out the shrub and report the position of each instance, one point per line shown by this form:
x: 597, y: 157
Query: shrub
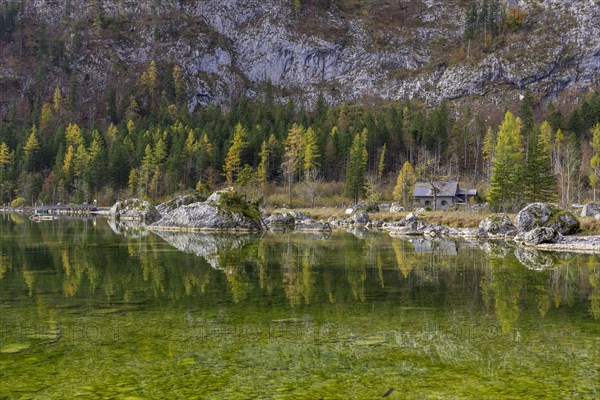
x: 18, y: 202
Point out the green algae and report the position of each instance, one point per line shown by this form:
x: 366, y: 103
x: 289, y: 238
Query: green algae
x: 14, y: 348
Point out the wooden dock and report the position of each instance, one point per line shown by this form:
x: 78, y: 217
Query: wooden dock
x: 66, y: 209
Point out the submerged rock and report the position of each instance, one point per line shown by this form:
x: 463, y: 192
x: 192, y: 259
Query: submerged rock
x: 538, y: 215
x: 223, y: 211
x: 133, y: 210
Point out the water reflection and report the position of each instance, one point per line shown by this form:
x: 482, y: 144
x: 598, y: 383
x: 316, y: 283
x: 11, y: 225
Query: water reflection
x: 79, y: 259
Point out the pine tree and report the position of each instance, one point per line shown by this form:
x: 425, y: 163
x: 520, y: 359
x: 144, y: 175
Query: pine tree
x: 539, y: 183
x: 405, y: 184
x: 505, y: 190
x: 234, y: 154
x: 595, y: 161
x: 356, y: 174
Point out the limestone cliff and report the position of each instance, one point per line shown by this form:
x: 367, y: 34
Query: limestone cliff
x: 348, y: 50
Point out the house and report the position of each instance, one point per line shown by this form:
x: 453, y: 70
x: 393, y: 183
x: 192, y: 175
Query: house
x: 448, y: 194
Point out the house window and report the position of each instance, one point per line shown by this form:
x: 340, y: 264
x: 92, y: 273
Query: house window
x: 427, y: 202
x: 444, y: 203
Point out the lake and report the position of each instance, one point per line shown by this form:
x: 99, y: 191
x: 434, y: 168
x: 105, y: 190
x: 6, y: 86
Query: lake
x: 90, y: 309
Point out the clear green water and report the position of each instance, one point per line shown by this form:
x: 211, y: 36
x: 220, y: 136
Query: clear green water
x: 87, y: 313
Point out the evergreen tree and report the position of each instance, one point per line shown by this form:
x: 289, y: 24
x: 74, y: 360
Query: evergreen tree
x: 505, y: 190
x: 356, y: 174
x: 539, y: 183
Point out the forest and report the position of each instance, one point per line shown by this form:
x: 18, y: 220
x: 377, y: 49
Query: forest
x: 152, y: 147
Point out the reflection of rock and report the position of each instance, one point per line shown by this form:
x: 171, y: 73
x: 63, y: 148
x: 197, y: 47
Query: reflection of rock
x: 308, y: 225
x: 133, y: 210
x: 359, y: 231
x: 130, y: 229
x: 495, y: 250
x: 539, y: 215
x: 207, y: 245
x: 534, y: 259
x: 313, y: 235
x: 435, y: 246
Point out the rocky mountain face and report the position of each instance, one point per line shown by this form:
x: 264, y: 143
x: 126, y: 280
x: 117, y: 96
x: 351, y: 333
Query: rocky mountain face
x: 347, y: 49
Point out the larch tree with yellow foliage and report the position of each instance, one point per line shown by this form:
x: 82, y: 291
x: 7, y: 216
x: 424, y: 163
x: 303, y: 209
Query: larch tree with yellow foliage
x: 405, y: 184
x: 234, y: 154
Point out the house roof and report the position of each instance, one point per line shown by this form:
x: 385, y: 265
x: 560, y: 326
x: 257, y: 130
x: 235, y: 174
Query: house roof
x: 468, y: 192
x: 445, y: 189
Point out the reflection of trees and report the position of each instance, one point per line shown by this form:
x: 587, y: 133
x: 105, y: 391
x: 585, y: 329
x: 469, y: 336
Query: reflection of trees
x: 4, y: 265
x: 354, y: 263
x: 594, y: 271
x: 404, y: 252
x: 506, y: 284
x: 297, y: 274
x: 88, y: 261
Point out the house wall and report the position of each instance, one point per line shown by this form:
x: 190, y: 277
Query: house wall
x: 441, y: 202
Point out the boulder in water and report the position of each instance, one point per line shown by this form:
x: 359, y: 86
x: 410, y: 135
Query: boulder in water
x: 497, y: 224
x: 133, y: 210
x: 225, y: 210
x: 175, y: 202
x: 541, y: 235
